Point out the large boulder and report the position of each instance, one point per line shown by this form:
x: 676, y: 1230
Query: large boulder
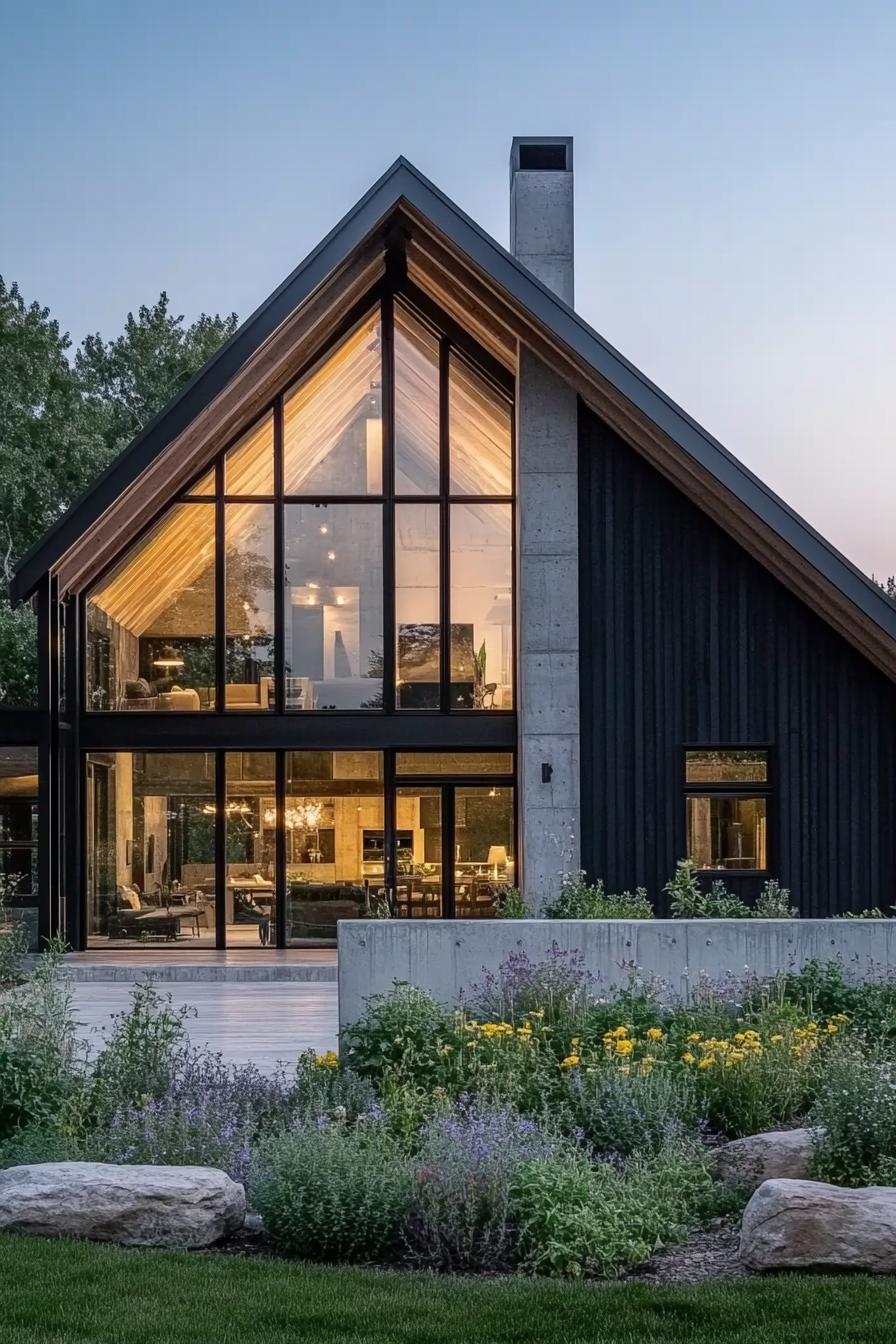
x: 783, y: 1153
x: 810, y: 1225
x: 188, y: 1207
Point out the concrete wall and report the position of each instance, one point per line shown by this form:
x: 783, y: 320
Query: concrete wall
x: 548, y: 624
x: 446, y: 957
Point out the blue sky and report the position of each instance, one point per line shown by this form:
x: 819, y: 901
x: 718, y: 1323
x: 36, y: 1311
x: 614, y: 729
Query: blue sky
x: 735, y: 184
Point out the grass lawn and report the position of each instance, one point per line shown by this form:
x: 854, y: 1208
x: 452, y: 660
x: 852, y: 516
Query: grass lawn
x: 57, y: 1292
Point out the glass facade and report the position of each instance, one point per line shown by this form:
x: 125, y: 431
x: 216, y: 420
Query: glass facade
x: 18, y: 839
x: 349, y: 554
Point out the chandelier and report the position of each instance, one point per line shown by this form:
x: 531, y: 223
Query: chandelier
x: 305, y: 816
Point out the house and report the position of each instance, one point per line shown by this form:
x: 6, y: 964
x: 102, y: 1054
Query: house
x: 420, y: 590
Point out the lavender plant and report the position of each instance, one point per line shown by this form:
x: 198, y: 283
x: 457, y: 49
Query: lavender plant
x: 460, y: 1218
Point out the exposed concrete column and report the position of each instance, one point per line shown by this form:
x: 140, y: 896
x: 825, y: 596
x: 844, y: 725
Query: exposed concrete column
x: 548, y: 623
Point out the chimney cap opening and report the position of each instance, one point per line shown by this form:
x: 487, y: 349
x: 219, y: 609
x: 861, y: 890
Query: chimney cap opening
x: 541, y: 153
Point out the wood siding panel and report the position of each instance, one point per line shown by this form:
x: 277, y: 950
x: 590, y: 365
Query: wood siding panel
x: 686, y: 638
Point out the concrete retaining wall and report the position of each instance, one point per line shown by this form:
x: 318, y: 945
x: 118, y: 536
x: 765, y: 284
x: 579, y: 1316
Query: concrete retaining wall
x: 446, y: 957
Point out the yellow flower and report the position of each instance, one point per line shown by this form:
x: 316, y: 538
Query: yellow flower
x: 796, y: 1050
x: 832, y: 1028
x: 654, y: 1034
x: 694, y: 1037
x: 624, y: 1047
x: 536, y: 1012
x: 471, y: 1045
x: 619, y: 1033
x: 576, y: 1041
x: 569, y: 1062
x: 735, y: 1057
x: 687, y: 1057
x: 706, y: 1063
x: 777, y: 1038
x: 328, y: 1061
x: 740, y: 1037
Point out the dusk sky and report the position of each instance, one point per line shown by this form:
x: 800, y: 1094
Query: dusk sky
x: 735, y: 184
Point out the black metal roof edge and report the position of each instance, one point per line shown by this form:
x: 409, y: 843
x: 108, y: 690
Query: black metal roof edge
x: 403, y: 180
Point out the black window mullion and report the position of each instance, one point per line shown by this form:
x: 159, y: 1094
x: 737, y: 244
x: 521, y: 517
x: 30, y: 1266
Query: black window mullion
x: 388, y: 433
x: 390, y: 811
x: 220, y: 758
x: 280, y: 931
x: 279, y: 569
x: 444, y: 536
x: 449, y: 902
x: 220, y: 591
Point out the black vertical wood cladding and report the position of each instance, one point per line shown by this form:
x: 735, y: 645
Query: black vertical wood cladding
x: 685, y: 638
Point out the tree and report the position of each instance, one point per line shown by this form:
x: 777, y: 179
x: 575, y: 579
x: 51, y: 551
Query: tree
x: 126, y: 381
x: 61, y: 423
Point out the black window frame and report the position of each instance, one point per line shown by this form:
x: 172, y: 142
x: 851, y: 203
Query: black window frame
x: 454, y: 342
x: 764, y: 789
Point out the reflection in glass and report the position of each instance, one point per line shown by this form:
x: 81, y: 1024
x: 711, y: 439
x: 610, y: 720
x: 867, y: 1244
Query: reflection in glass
x: 453, y: 763
x: 18, y: 839
x: 481, y: 607
x: 484, y: 849
x: 249, y: 586
x: 335, y: 841
x: 251, y: 822
x: 151, y: 621
x: 150, y: 847
x: 333, y: 608
x: 416, y: 407
x: 479, y: 431
x: 727, y: 832
x: 332, y: 425
x: 417, y: 624
x: 249, y: 464
x: 418, y: 852
x: 744, y: 765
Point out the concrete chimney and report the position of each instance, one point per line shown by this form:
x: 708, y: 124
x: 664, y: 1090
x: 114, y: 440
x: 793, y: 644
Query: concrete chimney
x: 541, y: 209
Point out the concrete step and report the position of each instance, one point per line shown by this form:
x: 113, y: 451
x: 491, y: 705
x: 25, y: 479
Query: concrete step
x: 178, y: 972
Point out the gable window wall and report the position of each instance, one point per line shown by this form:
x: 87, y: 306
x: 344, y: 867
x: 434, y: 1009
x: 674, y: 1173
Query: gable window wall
x: 352, y: 551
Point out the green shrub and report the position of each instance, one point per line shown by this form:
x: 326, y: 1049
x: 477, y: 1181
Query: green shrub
x: 400, y: 1030
x: 578, y: 899
x: 577, y: 1220
x: 688, y: 900
x: 635, y: 1112
x: 324, y: 1089
x: 146, y: 1046
x: 855, y: 1114
x: 511, y: 904
x: 773, y: 902
x: 39, y: 1067
x: 333, y: 1192
x: 746, y: 1085
x: 37, y: 1143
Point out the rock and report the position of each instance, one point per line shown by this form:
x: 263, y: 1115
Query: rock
x: 810, y: 1225
x: 766, y: 1157
x: 187, y: 1207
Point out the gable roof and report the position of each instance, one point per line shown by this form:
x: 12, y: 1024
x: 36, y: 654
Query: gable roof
x: 788, y: 541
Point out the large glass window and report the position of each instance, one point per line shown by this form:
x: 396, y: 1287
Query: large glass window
x: 249, y: 585
x: 251, y: 831
x: 332, y: 421
x: 151, y: 621
x: 481, y: 606
x: 151, y: 848
x: 727, y: 802
x: 416, y: 407
x: 485, y: 864
x: 18, y: 839
x: 417, y: 607
x: 333, y: 606
x: 334, y: 818
x: 280, y: 595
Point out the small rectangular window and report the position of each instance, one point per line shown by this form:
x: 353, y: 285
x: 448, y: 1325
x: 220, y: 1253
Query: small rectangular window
x: 743, y: 765
x: 727, y: 803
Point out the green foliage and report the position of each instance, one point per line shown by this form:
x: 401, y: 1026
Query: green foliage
x: 325, y: 1091
x: 511, y: 904
x: 773, y: 902
x: 333, y: 1192
x: 39, y: 1142
x: 141, y: 1055
x: 13, y: 933
x: 38, y: 1049
x: 640, y: 1111
x: 579, y: 1220
x: 683, y: 890
x: 400, y: 1030
x: 855, y: 1116
x: 126, y: 381
x: 578, y: 899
